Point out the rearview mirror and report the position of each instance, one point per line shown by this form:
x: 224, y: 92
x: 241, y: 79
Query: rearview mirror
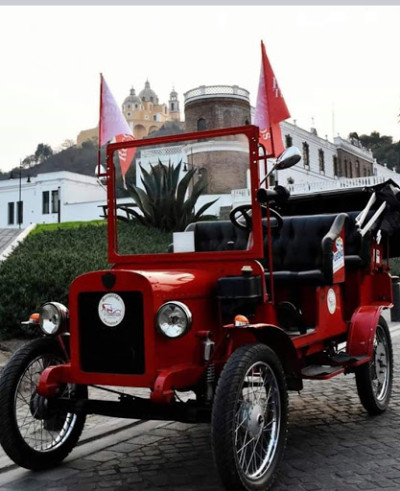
x: 288, y: 158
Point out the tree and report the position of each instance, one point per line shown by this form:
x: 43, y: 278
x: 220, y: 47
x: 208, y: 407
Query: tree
x: 28, y: 161
x: 163, y: 204
x: 43, y: 152
x: 68, y: 143
x: 382, y: 147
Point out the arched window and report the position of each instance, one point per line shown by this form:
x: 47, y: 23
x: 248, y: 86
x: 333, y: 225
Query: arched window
x: 201, y: 124
x: 288, y: 141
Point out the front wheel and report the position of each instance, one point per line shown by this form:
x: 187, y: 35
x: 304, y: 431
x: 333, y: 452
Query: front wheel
x: 33, y: 435
x: 249, y: 419
x: 374, y: 379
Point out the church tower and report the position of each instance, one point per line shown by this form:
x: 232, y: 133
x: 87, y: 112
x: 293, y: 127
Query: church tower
x: 173, y: 106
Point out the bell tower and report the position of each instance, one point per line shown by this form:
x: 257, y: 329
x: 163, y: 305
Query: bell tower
x: 173, y: 106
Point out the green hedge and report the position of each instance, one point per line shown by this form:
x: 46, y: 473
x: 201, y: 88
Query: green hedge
x: 43, y: 266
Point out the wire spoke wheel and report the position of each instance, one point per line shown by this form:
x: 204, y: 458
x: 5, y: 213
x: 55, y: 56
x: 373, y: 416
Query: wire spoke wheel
x: 40, y: 429
x: 257, y: 421
x: 380, y: 367
x: 34, y: 433
x: 249, y: 422
x: 374, y: 379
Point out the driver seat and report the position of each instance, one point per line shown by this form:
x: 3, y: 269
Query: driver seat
x: 217, y: 236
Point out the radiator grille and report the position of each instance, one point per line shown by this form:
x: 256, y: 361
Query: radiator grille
x: 117, y: 349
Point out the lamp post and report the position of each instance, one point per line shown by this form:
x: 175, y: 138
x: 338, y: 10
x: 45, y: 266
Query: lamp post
x: 19, y: 205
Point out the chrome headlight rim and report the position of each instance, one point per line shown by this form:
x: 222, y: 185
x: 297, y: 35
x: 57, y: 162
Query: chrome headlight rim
x: 53, y: 318
x: 184, y: 309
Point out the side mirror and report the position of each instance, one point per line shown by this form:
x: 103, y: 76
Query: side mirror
x: 288, y: 158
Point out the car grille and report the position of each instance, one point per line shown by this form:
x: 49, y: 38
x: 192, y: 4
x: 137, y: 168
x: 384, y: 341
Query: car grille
x: 116, y: 349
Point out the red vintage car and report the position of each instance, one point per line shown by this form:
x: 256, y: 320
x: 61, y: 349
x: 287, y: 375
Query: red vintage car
x: 237, y: 312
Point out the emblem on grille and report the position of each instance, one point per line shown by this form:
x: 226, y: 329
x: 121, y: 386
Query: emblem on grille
x: 111, y: 309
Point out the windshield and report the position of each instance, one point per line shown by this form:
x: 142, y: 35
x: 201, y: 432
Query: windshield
x: 179, y: 192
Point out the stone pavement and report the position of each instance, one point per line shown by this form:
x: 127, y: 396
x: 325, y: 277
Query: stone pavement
x: 333, y: 444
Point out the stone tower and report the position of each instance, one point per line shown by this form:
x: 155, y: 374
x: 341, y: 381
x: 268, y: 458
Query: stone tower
x: 212, y: 107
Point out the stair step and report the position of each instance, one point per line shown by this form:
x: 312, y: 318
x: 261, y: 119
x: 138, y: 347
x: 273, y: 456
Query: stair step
x: 320, y: 371
x: 343, y: 357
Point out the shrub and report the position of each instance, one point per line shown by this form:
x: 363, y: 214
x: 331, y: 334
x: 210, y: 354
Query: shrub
x: 44, y: 265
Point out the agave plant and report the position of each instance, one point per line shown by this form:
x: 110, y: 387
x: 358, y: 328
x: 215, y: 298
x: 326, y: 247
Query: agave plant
x: 165, y: 202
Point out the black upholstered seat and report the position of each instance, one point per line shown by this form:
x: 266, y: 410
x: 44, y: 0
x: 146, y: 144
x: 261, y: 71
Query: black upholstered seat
x: 357, y: 247
x: 302, y: 249
x: 217, y: 236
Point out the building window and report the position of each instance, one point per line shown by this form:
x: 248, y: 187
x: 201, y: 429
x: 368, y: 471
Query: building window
x: 136, y: 106
x: 306, y: 154
x: 288, y: 141
x: 129, y: 106
x: 335, y: 166
x: 155, y: 117
x: 357, y: 168
x: 10, y: 213
x: 321, y: 160
x: 46, y: 202
x: 128, y: 114
x: 172, y: 106
x: 20, y: 212
x: 201, y: 124
x: 55, y: 201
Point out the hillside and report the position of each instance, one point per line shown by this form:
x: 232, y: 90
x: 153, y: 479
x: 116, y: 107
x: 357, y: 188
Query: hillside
x: 82, y: 160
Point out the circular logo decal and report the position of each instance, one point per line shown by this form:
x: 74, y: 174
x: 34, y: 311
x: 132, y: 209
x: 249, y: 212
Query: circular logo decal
x: 111, y: 309
x: 331, y: 300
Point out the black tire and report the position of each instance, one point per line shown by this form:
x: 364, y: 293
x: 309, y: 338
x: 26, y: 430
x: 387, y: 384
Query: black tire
x: 249, y: 419
x: 41, y: 441
x: 374, y: 379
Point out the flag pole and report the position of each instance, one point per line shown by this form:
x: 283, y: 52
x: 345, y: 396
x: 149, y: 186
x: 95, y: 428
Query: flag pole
x: 100, y: 129
x: 263, y: 57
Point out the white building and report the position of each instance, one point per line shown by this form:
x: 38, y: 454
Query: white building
x: 49, y: 198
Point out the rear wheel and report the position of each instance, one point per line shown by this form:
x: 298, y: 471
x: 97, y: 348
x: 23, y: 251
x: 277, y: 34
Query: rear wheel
x: 374, y: 379
x: 33, y: 435
x: 249, y: 419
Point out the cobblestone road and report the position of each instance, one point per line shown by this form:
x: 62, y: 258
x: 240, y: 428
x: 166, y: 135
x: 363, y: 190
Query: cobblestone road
x: 333, y: 444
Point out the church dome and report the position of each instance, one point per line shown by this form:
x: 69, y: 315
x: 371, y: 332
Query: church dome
x: 148, y: 94
x: 132, y: 98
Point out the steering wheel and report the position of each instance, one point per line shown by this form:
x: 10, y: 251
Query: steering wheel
x: 240, y: 216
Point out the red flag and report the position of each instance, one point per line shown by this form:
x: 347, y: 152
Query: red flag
x: 114, y: 125
x: 270, y: 109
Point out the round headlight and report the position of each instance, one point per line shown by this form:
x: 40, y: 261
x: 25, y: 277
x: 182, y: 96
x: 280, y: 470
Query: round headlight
x: 53, y: 317
x: 174, y: 319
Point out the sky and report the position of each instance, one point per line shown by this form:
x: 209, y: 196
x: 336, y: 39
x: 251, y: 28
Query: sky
x: 337, y: 66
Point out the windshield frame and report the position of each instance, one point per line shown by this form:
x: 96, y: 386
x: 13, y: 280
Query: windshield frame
x: 254, y: 252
